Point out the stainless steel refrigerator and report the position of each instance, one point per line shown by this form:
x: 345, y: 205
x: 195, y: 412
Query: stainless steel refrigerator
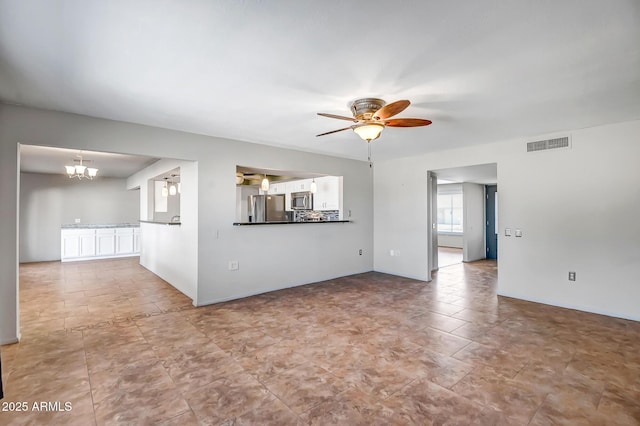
x: 267, y: 208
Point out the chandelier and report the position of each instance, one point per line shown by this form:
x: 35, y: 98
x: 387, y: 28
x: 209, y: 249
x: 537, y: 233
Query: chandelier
x: 81, y: 171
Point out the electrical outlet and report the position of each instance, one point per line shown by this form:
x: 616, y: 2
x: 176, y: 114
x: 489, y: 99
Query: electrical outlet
x: 234, y: 265
x: 572, y: 276
x: 77, y: 220
x: 360, y: 252
x: 518, y: 233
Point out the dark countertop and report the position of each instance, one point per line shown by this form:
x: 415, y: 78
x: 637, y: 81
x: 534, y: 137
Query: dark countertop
x: 100, y: 226
x: 161, y: 223
x: 287, y: 222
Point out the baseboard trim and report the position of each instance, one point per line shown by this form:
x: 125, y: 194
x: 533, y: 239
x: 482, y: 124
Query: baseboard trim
x: 9, y: 341
x: 256, y: 293
x: 81, y: 259
x: 569, y: 306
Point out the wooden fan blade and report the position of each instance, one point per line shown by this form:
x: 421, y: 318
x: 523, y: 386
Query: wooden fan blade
x: 339, y: 117
x: 391, y: 109
x: 335, y: 131
x: 407, y: 122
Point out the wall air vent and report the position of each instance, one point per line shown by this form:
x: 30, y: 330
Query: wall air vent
x: 548, y: 144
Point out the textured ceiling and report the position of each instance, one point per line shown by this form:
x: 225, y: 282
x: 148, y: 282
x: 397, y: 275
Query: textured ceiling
x: 259, y: 70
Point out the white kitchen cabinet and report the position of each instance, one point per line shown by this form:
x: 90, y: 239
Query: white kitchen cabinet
x: 70, y: 245
x: 105, y: 242
x: 99, y: 243
x: 328, y: 195
x: 136, y: 240
x: 124, y: 241
x: 277, y: 188
x: 78, y: 243
x: 298, y: 185
x: 88, y: 244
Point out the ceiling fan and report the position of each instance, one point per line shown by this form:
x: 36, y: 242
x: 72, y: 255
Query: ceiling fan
x: 372, y: 115
x: 241, y: 177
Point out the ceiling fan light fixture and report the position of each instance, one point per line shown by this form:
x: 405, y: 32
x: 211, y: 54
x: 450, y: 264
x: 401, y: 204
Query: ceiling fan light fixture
x: 369, y: 131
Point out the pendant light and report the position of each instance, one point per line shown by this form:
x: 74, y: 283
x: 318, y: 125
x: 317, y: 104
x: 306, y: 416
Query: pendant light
x: 313, y: 188
x: 265, y: 184
x: 172, y: 189
x: 165, y: 190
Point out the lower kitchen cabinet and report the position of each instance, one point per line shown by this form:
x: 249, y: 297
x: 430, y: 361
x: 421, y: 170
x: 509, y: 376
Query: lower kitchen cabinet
x: 124, y: 241
x: 99, y: 243
x: 105, y: 241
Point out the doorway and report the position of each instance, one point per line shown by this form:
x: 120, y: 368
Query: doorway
x: 461, y: 236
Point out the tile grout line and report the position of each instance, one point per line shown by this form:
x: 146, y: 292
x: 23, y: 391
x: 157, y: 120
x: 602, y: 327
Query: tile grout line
x: 93, y: 404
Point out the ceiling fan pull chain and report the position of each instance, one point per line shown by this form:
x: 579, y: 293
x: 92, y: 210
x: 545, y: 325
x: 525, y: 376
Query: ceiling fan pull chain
x: 369, y: 157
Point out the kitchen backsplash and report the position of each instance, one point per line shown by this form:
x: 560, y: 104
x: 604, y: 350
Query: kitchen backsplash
x: 309, y: 215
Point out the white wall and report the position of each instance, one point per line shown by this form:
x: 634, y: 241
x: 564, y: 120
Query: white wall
x: 449, y: 240
x: 48, y: 201
x: 270, y: 257
x: 171, y: 252
x: 473, y: 222
x: 577, y: 209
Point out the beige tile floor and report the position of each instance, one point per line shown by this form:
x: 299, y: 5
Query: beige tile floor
x: 448, y: 256
x: 123, y: 347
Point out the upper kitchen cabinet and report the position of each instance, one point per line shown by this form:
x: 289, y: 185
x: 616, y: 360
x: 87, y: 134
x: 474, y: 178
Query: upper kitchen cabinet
x: 328, y: 195
x: 277, y: 188
x: 299, y: 185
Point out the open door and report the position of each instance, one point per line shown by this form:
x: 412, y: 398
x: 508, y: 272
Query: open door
x: 492, y: 221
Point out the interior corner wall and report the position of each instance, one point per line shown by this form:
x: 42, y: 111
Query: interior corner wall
x: 269, y: 257
x: 171, y: 251
x: 49, y: 201
x: 473, y: 222
x: 577, y: 209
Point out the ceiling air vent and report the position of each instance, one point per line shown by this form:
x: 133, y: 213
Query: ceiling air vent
x: 548, y: 144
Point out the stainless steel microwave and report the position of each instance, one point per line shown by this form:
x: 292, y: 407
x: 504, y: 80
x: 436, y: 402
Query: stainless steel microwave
x: 302, y: 200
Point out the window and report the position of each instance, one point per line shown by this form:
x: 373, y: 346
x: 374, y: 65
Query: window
x: 450, y: 212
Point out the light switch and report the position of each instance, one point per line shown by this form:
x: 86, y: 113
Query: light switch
x: 507, y: 232
x: 518, y: 233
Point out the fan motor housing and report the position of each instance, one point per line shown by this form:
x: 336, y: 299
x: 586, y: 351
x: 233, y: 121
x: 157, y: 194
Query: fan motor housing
x: 363, y: 109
